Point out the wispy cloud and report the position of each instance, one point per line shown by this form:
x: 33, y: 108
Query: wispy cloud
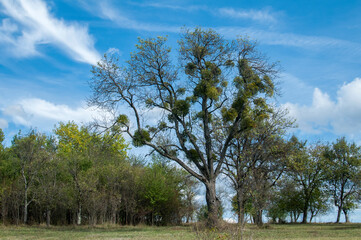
x: 30, y: 24
x: 340, y: 116
x: 107, y: 11
x: 263, y: 16
x: 291, y: 39
x: 166, y: 5
x: 44, y: 114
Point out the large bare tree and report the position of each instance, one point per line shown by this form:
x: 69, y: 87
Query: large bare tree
x: 198, y: 103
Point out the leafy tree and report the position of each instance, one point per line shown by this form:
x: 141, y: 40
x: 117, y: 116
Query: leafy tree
x: 344, y: 175
x: 161, y: 192
x: 257, y: 159
x: 307, y: 168
x: 49, y: 185
x: 73, y: 147
x: 30, y: 152
x: 189, y: 190
x: 89, y: 159
x: 7, y: 176
x: 286, y: 201
x: 202, y: 104
x: 318, y: 203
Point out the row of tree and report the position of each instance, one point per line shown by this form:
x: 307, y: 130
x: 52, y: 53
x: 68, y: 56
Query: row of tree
x: 207, y: 108
x: 78, y: 176
x: 289, y: 179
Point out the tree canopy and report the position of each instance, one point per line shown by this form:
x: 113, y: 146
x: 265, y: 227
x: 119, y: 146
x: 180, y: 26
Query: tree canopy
x: 203, y: 99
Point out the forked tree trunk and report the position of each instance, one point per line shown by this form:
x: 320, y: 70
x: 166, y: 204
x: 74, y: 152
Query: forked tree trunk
x: 311, y: 218
x: 339, y: 214
x: 212, y: 204
x: 347, y: 219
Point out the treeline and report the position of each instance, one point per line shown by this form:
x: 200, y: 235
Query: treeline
x: 78, y: 176
x: 290, y: 180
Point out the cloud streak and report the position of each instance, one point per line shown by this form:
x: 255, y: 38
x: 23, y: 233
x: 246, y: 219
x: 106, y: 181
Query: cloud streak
x: 30, y: 24
x: 313, y: 43
x: 107, y: 10
x: 263, y: 16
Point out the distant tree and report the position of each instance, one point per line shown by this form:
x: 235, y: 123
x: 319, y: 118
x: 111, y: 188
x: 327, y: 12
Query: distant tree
x: 160, y: 193
x: 87, y: 158
x: 72, y: 148
x: 307, y: 168
x: 47, y: 182
x: 189, y: 191
x: 256, y: 160
x: 200, y: 105
x: 319, y: 203
x: 7, y: 176
x: 344, y: 175
x: 30, y: 152
x: 286, y: 201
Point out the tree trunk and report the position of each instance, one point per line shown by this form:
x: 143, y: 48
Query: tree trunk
x: 4, y: 209
x: 26, y: 207
x: 347, y: 219
x: 78, y: 222
x: 114, y: 214
x: 17, y: 214
x: 240, y: 205
x: 48, y: 212
x: 212, y: 204
x: 338, y: 214
x: 305, y: 212
x: 312, y: 215
x: 258, y: 218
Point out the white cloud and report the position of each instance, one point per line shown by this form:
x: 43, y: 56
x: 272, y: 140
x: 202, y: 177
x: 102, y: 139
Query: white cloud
x: 263, y: 16
x: 31, y: 24
x: 340, y: 117
x: 3, y: 123
x: 40, y: 113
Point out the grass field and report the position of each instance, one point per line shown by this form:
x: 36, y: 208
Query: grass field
x: 272, y: 232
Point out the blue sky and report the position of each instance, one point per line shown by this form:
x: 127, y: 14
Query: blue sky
x: 47, y: 48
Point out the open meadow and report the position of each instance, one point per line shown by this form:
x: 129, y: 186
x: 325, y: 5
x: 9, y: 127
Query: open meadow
x: 271, y: 232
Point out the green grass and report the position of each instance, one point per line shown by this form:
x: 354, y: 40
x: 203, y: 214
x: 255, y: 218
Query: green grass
x: 101, y: 232
x: 272, y: 232
x: 308, y: 232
